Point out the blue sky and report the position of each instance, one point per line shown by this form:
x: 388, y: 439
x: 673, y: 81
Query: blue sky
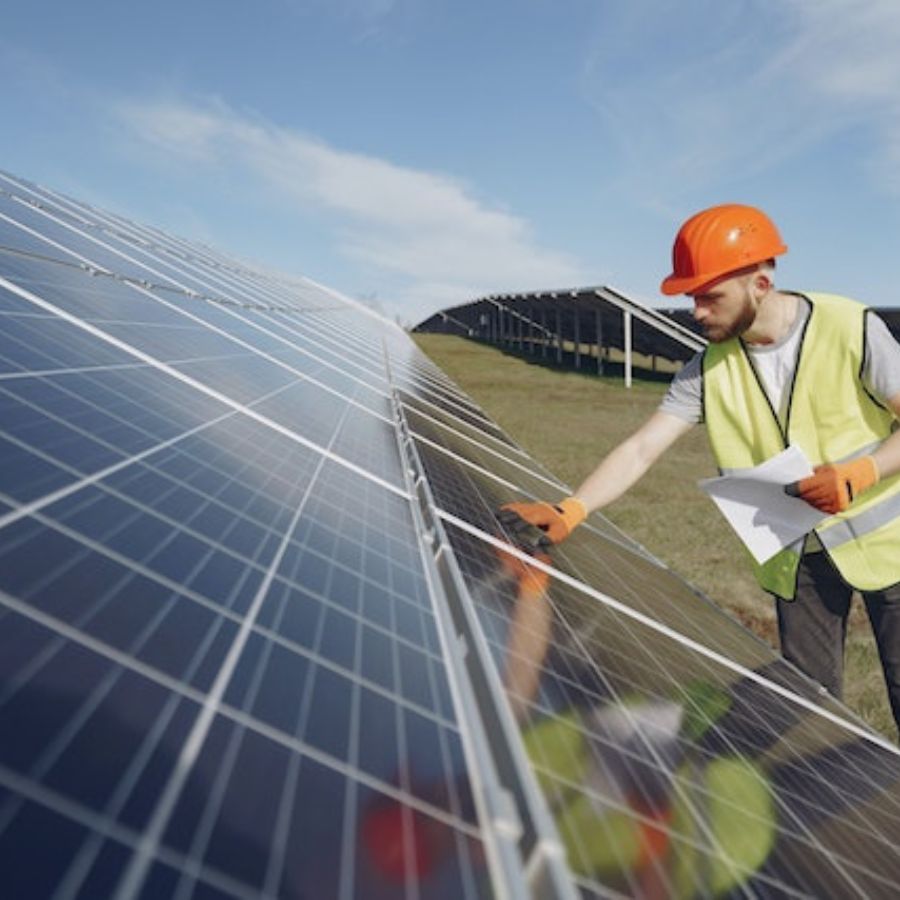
x: 417, y: 153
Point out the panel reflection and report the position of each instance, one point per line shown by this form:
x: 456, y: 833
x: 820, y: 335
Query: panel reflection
x: 669, y: 774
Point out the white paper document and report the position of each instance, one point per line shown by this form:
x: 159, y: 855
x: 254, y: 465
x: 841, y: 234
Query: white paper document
x: 754, y: 503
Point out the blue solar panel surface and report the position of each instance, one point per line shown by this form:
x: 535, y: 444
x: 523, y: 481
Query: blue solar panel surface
x: 212, y: 589
x: 261, y: 635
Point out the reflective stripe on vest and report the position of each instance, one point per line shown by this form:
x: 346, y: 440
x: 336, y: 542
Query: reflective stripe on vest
x: 831, y: 418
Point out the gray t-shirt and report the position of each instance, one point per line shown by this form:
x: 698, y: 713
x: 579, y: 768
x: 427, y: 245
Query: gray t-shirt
x: 776, y: 363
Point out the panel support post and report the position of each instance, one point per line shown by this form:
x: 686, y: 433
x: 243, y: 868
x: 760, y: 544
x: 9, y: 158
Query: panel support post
x: 598, y: 319
x: 626, y: 329
x: 558, y: 335
x: 577, y: 334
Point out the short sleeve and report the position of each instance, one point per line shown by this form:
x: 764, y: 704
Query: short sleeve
x: 684, y: 398
x: 881, y: 369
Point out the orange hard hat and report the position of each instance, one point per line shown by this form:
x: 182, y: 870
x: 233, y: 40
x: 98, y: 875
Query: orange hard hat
x: 717, y: 241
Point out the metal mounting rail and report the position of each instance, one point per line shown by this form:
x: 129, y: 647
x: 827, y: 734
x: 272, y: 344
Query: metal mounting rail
x: 524, y: 851
x: 653, y: 317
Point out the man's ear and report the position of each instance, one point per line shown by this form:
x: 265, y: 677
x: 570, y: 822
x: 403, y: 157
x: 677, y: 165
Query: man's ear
x: 762, y: 281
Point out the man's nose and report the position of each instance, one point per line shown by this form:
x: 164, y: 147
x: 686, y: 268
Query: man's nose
x: 700, y: 312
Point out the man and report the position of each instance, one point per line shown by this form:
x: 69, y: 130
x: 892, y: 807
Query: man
x: 781, y: 368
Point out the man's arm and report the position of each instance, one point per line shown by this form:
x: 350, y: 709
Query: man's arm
x: 887, y: 456
x: 624, y: 465
x: 533, y: 525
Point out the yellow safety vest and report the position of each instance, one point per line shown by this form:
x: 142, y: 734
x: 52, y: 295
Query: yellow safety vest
x: 832, y: 418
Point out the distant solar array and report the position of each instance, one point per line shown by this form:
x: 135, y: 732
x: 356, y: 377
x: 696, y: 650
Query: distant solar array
x: 261, y: 636
x: 579, y: 327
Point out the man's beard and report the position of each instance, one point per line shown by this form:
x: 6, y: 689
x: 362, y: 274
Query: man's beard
x: 718, y: 334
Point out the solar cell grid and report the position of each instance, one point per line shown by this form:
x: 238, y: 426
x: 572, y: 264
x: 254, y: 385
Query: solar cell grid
x: 465, y: 456
x: 294, y: 329
x: 229, y: 649
x: 55, y: 212
x: 418, y: 410
x: 413, y: 378
x: 211, y: 390
x: 90, y: 297
x: 16, y: 241
x: 143, y: 540
x: 64, y: 350
x: 599, y: 554
x: 48, y: 419
x: 407, y: 358
x: 327, y: 734
x: 472, y: 480
x: 66, y: 240
x: 157, y: 265
x: 471, y: 416
x: 290, y: 345
x: 364, y: 360
x: 369, y: 442
x: 471, y: 431
x: 609, y: 701
x: 438, y: 391
x: 191, y: 266
x: 112, y: 727
x: 114, y: 251
x: 315, y: 627
x: 408, y: 372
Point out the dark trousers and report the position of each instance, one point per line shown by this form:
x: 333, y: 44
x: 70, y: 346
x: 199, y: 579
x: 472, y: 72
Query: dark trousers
x: 813, y: 627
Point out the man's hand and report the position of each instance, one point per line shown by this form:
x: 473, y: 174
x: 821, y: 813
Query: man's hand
x: 833, y: 487
x: 534, y: 525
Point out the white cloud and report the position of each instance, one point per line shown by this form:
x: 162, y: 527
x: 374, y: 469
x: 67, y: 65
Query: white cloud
x: 190, y: 133
x: 844, y: 54
x: 759, y: 82
x: 847, y: 49
x: 427, y: 227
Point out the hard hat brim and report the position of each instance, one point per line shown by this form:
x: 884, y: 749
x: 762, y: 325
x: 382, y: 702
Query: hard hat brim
x: 673, y: 285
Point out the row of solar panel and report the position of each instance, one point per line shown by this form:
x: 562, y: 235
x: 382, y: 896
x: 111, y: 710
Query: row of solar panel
x: 224, y: 670
x: 154, y: 464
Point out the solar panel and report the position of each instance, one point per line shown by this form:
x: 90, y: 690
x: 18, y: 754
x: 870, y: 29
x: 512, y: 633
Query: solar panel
x: 261, y: 635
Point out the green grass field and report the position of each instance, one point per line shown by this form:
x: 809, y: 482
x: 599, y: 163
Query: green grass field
x: 569, y: 420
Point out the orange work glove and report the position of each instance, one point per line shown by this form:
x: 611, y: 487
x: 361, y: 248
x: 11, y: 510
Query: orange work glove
x: 534, y: 525
x: 833, y: 487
